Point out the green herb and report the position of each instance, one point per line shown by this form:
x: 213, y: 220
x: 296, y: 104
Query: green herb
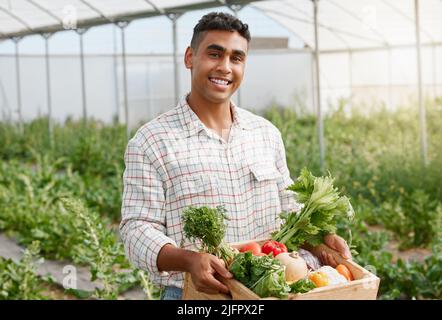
x: 207, y: 225
x: 302, y: 286
x: 264, y: 275
x: 322, y: 204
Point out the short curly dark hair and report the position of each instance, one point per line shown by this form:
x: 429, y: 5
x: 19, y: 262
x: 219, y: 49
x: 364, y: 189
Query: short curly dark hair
x: 218, y: 21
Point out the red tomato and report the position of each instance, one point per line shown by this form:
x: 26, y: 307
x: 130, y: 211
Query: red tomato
x: 251, y: 246
x: 274, y: 247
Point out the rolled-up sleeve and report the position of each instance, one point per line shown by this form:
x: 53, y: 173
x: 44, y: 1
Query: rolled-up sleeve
x: 142, y: 226
x: 288, y: 202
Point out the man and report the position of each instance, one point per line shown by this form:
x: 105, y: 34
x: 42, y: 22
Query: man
x: 206, y: 151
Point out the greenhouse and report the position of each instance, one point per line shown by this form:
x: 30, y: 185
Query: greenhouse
x: 354, y: 88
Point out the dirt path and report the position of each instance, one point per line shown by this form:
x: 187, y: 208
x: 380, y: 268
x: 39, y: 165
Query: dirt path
x: 60, y: 271
x: 413, y: 254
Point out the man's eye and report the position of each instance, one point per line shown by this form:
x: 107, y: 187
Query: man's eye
x: 237, y: 58
x: 214, y: 55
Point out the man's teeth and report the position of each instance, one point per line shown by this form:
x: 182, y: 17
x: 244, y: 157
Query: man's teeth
x: 218, y: 81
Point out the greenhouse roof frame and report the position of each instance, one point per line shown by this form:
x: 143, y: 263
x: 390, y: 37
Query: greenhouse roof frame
x: 343, y: 25
x: 52, y: 16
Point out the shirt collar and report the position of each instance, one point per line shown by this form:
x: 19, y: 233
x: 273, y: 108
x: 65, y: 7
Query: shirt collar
x: 193, y: 125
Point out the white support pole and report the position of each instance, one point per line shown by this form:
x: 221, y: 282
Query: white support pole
x: 390, y: 79
x: 350, y: 78
x: 123, y: 25
x: 116, y: 88
x: 16, y: 40
x: 176, y: 77
x: 434, y: 57
x: 320, y: 120
x: 236, y: 8
x: 422, y: 116
x: 46, y: 36
x: 81, y: 32
x: 313, y: 75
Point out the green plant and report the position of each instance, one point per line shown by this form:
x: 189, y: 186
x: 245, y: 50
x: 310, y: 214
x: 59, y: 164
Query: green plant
x: 414, y: 218
x: 322, y: 205
x: 108, y: 253
x: 18, y: 281
x: 264, y: 275
x: 207, y: 225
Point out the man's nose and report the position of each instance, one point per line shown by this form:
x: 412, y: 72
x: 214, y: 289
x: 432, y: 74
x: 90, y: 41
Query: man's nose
x: 224, y: 65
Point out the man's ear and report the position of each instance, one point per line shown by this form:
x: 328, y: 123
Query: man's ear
x: 188, y: 58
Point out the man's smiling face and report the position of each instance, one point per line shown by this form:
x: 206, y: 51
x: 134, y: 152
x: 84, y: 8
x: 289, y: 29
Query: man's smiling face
x: 217, y: 65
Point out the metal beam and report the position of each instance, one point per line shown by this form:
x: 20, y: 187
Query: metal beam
x: 390, y: 79
x: 333, y: 30
x: 122, y: 25
x: 434, y: 58
x: 97, y: 11
x: 121, y: 17
x: 298, y: 35
x: 17, y: 18
x: 350, y: 78
x: 320, y: 121
x: 236, y: 8
x: 116, y: 88
x: 174, y: 17
x: 45, y: 10
x: 329, y: 29
x: 159, y: 10
x: 354, y: 16
x: 422, y: 116
x: 312, y: 70
x: 17, y: 72
x: 46, y: 36
x: 80, y: 33
x: 406, y: 17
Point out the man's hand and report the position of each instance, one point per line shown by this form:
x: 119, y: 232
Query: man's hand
x: 337, y: 243
x: 204, y: 269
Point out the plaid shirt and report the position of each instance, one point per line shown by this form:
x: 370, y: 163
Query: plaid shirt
x: 175, y: 161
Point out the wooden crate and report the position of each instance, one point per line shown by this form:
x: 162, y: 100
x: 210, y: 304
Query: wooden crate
x: 364, y: 287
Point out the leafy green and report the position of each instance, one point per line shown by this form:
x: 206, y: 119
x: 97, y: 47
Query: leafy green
x: 302, y: 286
x: 264, y: 275
x: 207, y: 225
x: 322, y: 205
x: 414, y: 218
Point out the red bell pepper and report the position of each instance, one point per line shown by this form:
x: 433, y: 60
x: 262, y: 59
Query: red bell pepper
x: 274, y: 247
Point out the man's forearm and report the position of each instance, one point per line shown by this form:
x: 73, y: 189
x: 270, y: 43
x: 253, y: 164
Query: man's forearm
x: 172, y: 258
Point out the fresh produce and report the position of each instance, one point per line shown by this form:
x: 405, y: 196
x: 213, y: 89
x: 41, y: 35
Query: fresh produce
x: 342, y: 269
x: 322, y: 205
x: 264, y: 275
x: 295, y: 266
x: 274, y: 247
x: 327, y: 275
x: 253, y: 247
x: 312, y: 261
x: 320, y: 279
x: 302, y: 286
x: 207, y: 225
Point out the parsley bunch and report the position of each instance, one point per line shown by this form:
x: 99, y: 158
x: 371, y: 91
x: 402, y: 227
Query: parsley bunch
x: 322, y: 205
x: 207, y: 225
